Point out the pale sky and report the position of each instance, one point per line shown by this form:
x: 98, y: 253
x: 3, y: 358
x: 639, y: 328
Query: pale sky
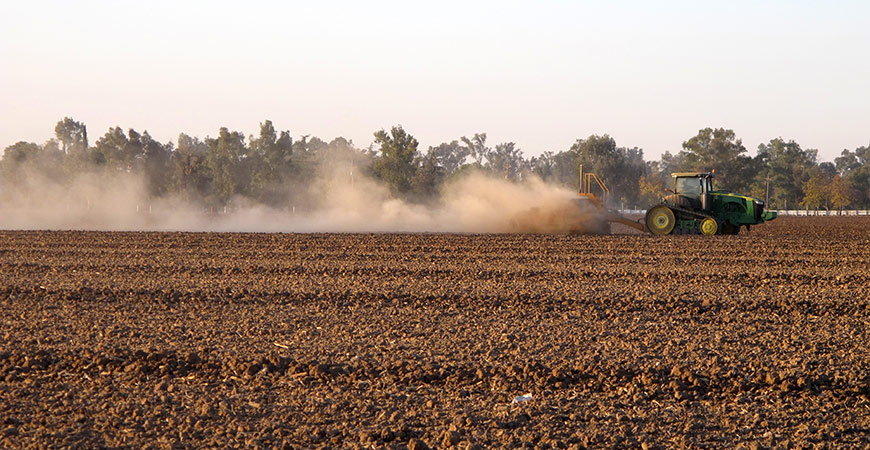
x: 540, y: 74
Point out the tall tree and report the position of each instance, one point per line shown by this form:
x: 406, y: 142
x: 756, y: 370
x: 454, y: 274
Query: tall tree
x: 122, y: 152
x: 652, y: 184
x: 784, y: 167
x: 395, y: 164
x: 16, y: 157
x: 668, y: 164
x: 22, y: 160
x: 854, y: 168
x: 476, y: 147
x: 72, y: 134
x: 191, y: 176
x: 223, y: 160
x: 21, y: 152
x: 428, y: 177
x: 720, y: 150
x: 817, y: 191
x: 275, y: 148
x: 271, y: 160
x: 566, y: 168
x: 620, y: 167
x: 506, y: 161
x: 156, y: 164
x: 73, y: 137
x: 843, y: 195
x: 449, y: 156
x: 542, y: 166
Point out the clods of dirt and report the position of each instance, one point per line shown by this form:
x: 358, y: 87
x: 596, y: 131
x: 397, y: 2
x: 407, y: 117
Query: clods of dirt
x: 415, y: 341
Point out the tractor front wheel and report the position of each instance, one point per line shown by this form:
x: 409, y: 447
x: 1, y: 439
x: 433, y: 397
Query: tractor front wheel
x: 709, y: 226
x: 660, y: 220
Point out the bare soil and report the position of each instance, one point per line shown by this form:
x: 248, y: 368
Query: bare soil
x: 177, y: 340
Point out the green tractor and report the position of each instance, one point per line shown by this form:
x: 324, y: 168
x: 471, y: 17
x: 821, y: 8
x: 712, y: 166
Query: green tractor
x: 693, y: 207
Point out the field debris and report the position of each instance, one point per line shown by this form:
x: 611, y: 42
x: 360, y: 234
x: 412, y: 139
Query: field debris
x: 522, y: 398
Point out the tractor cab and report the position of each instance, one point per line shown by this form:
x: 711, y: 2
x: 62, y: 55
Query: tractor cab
x: 692, y: 190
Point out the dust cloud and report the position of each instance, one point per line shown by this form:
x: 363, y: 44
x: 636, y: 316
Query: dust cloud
x: 336, y: 202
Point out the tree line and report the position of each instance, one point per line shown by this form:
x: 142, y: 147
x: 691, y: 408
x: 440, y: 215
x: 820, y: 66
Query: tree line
x: 274, y: 169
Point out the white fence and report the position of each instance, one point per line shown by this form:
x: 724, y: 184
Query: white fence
x: 785, y: 212
x: 822, y: 212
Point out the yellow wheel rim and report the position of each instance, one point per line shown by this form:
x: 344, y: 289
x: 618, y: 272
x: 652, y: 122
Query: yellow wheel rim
x: 709, y: 226
x: 660, y: 220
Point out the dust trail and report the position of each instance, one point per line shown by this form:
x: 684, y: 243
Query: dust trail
x: 92, y: 202
x: 474, y: 203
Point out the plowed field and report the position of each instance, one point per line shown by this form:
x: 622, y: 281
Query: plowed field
x: 177, y: 340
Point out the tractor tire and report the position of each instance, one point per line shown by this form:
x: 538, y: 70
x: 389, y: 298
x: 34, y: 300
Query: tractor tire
x: 660, y: 220
x: 709, y: 226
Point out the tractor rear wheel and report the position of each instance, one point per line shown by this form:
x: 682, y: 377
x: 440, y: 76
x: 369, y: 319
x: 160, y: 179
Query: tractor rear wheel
x: 660, y: 220
x: 709, y: 226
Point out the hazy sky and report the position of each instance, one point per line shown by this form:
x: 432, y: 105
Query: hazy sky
x: 541, y: 74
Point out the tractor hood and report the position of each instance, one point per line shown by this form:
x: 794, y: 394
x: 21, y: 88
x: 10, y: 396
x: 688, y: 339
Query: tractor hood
x: 761, y: 215
x: 757, y: 201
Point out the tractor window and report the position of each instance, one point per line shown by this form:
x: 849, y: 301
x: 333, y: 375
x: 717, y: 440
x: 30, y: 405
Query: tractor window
x: 689, y: 186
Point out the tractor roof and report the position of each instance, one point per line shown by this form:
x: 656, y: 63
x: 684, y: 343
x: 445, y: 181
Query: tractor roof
x: 692, y: 174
